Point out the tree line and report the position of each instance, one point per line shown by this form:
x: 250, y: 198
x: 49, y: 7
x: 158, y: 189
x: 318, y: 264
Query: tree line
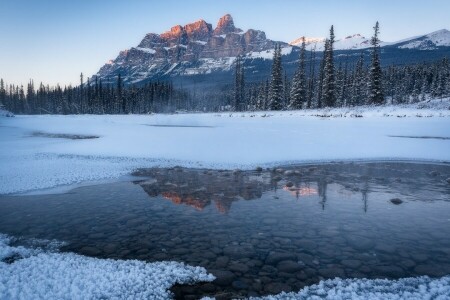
x: 342, y: 86
x: 311, y: 86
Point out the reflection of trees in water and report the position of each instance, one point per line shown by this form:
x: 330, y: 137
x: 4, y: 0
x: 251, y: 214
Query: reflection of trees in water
x: 198, y: 188
x: 201, y: 188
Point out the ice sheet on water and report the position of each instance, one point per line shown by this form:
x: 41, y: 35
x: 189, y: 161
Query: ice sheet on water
x: 43, y: 274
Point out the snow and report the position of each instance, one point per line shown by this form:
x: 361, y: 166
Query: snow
x: 382, y: 289
x: 5, y: 113
x: 45, y: 274
x: 146, y: 50
x: 226, y: 140
x: 355, y: 41
x: 268, y: 54
x: 201, y: 42
x: 437, y: 39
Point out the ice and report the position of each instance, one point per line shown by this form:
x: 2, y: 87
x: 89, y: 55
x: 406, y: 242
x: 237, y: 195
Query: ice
x: 42, y: 274
x: 213, y: 140
x: 415, y: 288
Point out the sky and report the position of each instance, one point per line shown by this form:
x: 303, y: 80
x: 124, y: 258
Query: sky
x: 53, y: 41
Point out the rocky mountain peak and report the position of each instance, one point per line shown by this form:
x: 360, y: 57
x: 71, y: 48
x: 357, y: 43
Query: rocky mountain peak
x: 226, y: 25
x: 199, y: 30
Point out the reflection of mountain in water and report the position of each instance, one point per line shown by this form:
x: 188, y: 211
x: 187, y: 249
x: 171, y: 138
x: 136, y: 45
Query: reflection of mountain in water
x: 200, y: 188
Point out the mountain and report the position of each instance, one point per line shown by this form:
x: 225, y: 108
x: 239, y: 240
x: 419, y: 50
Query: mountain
x: 195, y: 48
x: 431, y: 41
x: 350, y: 42
x: 198, y: 55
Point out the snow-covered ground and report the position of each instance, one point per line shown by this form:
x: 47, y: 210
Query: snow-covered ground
x: 225, y: 140
x: 47, y: 274
x: 31, y: 160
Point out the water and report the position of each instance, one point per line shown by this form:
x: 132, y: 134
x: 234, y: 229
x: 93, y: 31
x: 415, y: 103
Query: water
x: 259, y: 232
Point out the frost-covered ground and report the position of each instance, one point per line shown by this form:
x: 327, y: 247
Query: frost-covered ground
x: 418, y: 288
x: 47, y: 274
x: 237, y: 140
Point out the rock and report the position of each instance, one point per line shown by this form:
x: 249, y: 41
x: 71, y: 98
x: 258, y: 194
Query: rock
x: 222, y: 261
x: 90, y: 251
x: 289, y: 172
x: 237, y: 251
x: 430, y: 270
x: 360, y: 243
x: 239, y: 285
x: 448, y: 180
x: 223, y: 278
x: 351, y: 263
x: 208, y: 287
x: 288, y: 266
x: 434, y: 173
x: 419, y: 257
x: 275, y: 257
x: 289, y: 184
x: 396, y: 201
x: 391, y: 271
x: 277, y: 287
x: 258, y: 169
x: 238, y: 267
x: 332, y: 272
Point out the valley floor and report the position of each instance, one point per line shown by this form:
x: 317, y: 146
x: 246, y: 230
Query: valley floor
x: 48, y: 151
x: 45, y: 151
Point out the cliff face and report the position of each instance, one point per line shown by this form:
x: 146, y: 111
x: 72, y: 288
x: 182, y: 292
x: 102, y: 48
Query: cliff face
x: 194, y: 48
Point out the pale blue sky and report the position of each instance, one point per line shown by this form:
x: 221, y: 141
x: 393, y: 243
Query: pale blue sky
x: 55, y: 40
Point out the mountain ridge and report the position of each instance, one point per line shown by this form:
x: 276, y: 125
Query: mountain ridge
x: 199, y: 49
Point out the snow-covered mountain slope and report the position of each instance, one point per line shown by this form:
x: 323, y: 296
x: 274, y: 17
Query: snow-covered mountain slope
x: 197, y: 54
x: 351, y: 42
x: 431, y: 41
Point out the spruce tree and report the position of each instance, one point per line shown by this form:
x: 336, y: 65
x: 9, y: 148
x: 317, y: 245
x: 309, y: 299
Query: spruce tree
x: 328, y: 85
x: 276, y: 82
x: 375, y: 81
x: 298, y: 88
x: 239, y: 101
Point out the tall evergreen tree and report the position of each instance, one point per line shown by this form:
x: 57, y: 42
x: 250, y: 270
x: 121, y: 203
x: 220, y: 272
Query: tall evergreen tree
x: 375, y: 81
x: 328, y: 85
x: 239, y: 103
x: 276, y: 82
x: 298, y: 88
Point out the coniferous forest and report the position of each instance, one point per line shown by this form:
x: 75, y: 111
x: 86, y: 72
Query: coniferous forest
x: 361, y: 82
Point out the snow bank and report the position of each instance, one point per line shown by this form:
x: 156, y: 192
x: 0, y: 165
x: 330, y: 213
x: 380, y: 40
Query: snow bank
x: 418, y: 288
x: 5, y: 113
x: 214, y: 140
x: 42, y: 274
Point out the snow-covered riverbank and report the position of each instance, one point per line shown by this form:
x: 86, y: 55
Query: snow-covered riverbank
x: 30, y: 159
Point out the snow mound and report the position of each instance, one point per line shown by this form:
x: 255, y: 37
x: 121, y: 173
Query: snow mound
x: 406, y: 288
x: 42, y: 274
x: 5, y: 113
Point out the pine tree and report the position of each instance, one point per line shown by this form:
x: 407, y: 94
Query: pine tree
x: 328, y: 85
x: 276, y: 82
x: 376, y: 76
x: 2, y: 93
x: 239, y: 88
x: 298, y: 88
x: 120, y: 98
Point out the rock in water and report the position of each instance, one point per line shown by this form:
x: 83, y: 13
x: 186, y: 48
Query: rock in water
x: 396, y: 201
